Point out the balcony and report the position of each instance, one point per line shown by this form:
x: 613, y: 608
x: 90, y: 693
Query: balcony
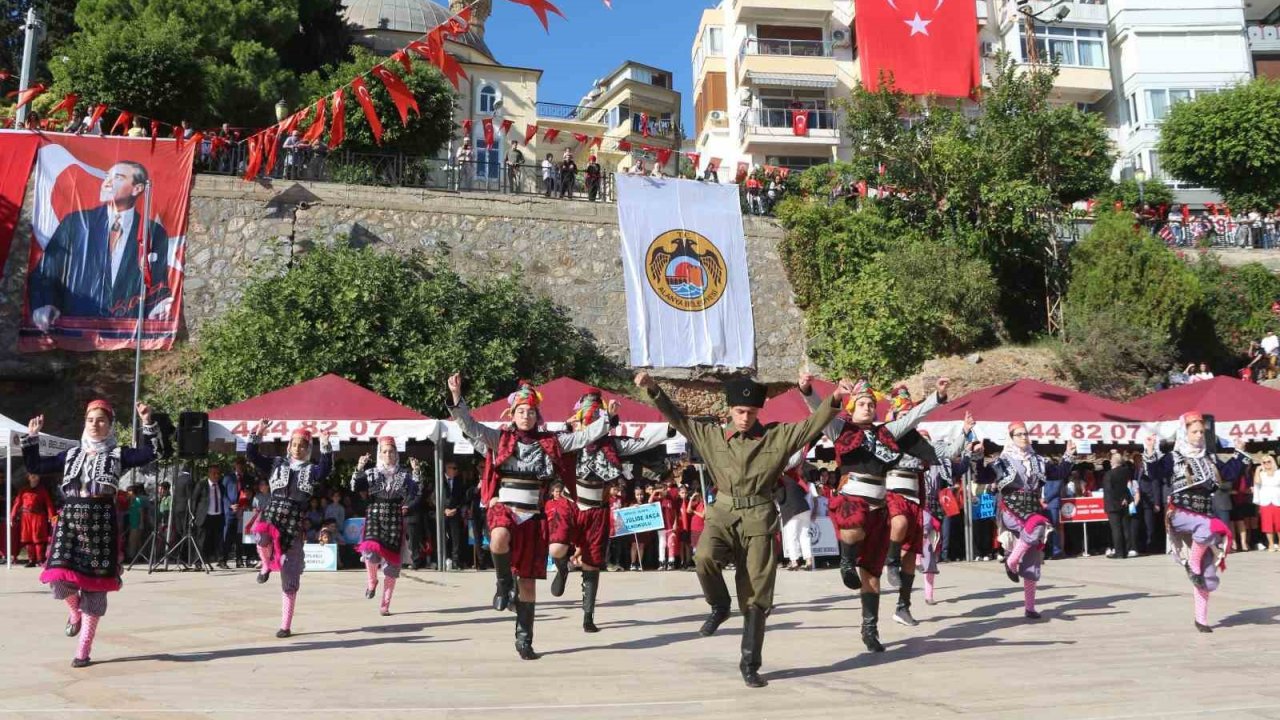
x: 784, y: 57
x: 1264, y: 38
x: 789, y: 9
x: 789, y: 48
x: 1085, y: 13
x: 773, y: 126
x: 577, y: 113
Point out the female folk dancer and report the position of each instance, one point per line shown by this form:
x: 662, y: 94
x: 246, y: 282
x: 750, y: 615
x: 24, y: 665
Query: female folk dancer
x: 867, y: 454
x: 598, y: 464
x: 520, y: 462
x: 1193, y: 471
x: 33, y: 512
x: 1019, y: 475
x: 292, y: 480
x: 84, y: 564
x: 392, y: 490
x: 939, y: 475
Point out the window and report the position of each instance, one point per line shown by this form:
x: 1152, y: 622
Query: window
x: 1133, y: 109
x: 488, y: 160
x: 715, y: 40
x: 1159, y: 101
x: 795, y: 163
x: 1077, y: 47
x: 488, y: 99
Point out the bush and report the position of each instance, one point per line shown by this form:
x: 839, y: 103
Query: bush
x: 1235, y: 309
x: 1108, y: 356
x: 1154, y: 193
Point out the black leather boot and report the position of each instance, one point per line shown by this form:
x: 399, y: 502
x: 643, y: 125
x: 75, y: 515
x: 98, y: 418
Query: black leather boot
x: 562, y: 575
x: 903, y: 614
x: 590, y: 584
x: 714, y: 620
x: 893, y: 565
x: 504, y: 593
x: 752, y: 647
x: 849, y: 566
x: 871, y: 621
x: 524, y: 630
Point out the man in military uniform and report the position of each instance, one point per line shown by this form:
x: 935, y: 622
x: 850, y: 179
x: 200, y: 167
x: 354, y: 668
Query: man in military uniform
x: 745, y: 459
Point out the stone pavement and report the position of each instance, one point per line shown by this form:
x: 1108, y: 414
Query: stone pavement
x: 1117, y: 642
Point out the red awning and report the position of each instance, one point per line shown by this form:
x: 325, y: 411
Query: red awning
x: 1241, y: 410
x: 328, y: 402
x: 790, y: 406
x: 560, y: 395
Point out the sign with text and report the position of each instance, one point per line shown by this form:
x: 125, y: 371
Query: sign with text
x: 985, y: 507
x: 637, y: 519
x: 822, y: 535
x: 320, y: 557
x: 1083, y: 509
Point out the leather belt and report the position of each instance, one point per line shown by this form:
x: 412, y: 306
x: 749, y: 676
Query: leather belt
x: 749, y: 501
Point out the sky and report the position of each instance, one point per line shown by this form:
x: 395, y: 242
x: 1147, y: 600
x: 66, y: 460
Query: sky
x: 594, y: 40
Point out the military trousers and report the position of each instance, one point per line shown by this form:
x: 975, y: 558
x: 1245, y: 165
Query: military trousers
x: 753, y: 558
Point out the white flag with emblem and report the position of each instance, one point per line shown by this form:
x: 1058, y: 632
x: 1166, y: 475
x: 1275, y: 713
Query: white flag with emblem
x: 684, y: 258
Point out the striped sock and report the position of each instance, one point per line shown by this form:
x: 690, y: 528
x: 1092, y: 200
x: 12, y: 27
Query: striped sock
x: 372, y: 567
x: 73, y: 604
x: 87, y: 632
x: 1029, y: 595
x: 1014, y: 561
x: 1197, y: 558
x: 1202, y: 605
x: 262, y: 556
x: 928, y: 586
x: 388, y: 587
x: 287, y: 601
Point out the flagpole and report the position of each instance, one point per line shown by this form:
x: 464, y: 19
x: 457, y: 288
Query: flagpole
x: 144, y: 237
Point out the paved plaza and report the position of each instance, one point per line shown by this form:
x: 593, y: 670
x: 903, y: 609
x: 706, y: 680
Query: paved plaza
x: 1117, y: 642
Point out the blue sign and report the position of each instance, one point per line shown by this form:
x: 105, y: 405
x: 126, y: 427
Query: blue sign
x: 320, y: 557
x: 637, y: 519
x: 985, y: 508
x: 353, y: 531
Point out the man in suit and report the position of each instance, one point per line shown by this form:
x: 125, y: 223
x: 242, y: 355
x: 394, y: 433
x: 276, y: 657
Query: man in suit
x: 208, y: 500
x: 1151, y: 494
x: 1116, y: 500
x: 455, y: 502
x: 91, y: 266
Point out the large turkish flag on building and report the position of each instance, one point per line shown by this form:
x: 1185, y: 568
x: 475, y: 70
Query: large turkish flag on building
x: 930, y: 47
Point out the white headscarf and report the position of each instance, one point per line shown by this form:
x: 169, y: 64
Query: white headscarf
x: 89, y: 446
x: 1182, y: 445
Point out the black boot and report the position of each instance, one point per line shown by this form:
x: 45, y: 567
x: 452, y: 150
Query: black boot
x: 717, y: 617
x: 562, y: 575
x: 752, y: 646
x: 590, y: 584
x: 504, y: 594
x: 903, y: 614
x: 849, y: 566
x: 524, y: 629
x: 893, y: 565
x: 871, y: 621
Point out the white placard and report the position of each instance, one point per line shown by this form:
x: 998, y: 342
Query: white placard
x: 401, y: 444
x: 242, y: 445
x: 463, y: 446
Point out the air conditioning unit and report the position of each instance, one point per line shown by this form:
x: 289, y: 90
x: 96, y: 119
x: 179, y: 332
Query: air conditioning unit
x: 717, y: 116
x: 745, y: 97
x: 840, y: 38
x: 988, y: 48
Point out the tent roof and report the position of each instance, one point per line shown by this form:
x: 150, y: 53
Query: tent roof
x: 1033, y: 401
x: 1226, y: 398
x: 328, y: 397
x: 559, y: 397
x: 790, y: 405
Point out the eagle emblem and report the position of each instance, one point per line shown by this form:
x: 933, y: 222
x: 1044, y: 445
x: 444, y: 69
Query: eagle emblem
x: 686, y: 270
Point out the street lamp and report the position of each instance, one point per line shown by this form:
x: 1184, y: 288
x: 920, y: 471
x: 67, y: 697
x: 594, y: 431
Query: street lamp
x: 1032, y: 16
x: 282, y: 110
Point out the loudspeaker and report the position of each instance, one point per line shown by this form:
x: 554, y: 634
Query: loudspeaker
x: 1210, y: 434
x: 165, y: 425
x: 193, y: 434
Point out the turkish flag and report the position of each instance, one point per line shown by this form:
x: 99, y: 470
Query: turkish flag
x: 506, y: 126
x: 624, y: 145
x: 800, y: 123
x: 122, y: 121
x: 529, y: 132
x: 366, y: 103
x: 488, y: 133
x: 401, y: 95
x: 929, y: 47
x: 338, y: 131
x: 550, y: 135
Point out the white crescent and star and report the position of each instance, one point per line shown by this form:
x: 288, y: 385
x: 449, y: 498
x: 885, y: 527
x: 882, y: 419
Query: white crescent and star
x: 918, y: 25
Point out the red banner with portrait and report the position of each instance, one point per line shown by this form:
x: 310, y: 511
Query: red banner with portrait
x: 109, y: 224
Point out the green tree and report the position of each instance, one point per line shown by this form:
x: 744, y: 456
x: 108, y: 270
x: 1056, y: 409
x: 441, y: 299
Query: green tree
x: 1154, y: 193
x: 1235, y: 309
x: 1108, y: 356
x: 58, y: 17
x: 425, y: 134
x: 1228, y: 141
x: 398, y: 325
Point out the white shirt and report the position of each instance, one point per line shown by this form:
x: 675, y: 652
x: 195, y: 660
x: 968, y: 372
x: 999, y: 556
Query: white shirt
x: 126, y: 224
x: 215, y: 499
x: 1268, y: 488
x: 1270, y: 344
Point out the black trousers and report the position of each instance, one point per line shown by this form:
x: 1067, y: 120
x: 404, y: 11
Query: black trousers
x: 455, y: 531
x: 413, y: 529
x: 209, y: 536
x: 1121, y: 531
x: 1152, y: 528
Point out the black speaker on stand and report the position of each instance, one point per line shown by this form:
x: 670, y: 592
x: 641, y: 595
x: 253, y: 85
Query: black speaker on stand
x: 193, y: 435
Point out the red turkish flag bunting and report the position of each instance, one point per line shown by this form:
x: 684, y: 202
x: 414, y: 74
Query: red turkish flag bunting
x: 460, y: 23
x: 314, y: 133
x: 452, y: 69
x: 338, y: 131
x: 96, y: 115
x: 366, y: 103
x: 122, y: 120
x: 529, y: 132
x: 580, y: 137
x: 271, y: 141
x: 624, y: 145
x: 255, y: 159
x: 197, y: 139
x: 800, y: 123
x: 664, y: 154
x: 540, y: 8
x: 66, y: 104
x: 714, y: 164
x: 466, y: 127
x: 928, y: 47
x: 179, y: 136
x: 644, y: 124
x: 596, y: 141
x: 550, y: 135
x: 741, y: 173
x: 506, y: 126
x: 694, y: 159
x: 26, y: 96
x: 400, y: 57
x: 155, y: 132
x: 487, y: 124
x: 400, y: 93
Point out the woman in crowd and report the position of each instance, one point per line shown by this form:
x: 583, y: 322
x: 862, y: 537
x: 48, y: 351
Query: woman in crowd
x: 940, y: 475
x: 520, y: 462
x: 33, y: 514
x: 686, y: 517
x: 1266, y: 492
x: 292, y: 479
x: 1019, y: 475
x: 1200, y: 540
x: 1244, y: 513
x: 391, y: 489
x: 84, y: 563
x: 618, y: 546
x: 640, y: 541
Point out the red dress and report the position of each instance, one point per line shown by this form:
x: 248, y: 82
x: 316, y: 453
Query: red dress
x: 36, y: 510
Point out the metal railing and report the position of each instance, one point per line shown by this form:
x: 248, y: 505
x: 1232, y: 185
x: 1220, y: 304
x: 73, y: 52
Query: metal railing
x: 792, y: 48
x: 580, y: 113
x: 782, y: 118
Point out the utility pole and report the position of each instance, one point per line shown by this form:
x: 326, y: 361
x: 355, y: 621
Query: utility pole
x: 34, y: 32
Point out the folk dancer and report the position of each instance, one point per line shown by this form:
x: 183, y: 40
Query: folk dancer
x: 85, y: 559
x: 746, y: 460
x: 32, y: 511
x: 521, y: 461
x: 292, y: 480
x: 392, y: 491
x: 948, y: 472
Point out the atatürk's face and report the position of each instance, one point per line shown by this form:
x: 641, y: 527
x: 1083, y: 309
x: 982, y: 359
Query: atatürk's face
x: 119, y: 187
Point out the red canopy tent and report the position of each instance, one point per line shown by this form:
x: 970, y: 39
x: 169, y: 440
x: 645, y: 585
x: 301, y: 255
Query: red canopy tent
x: 1241, y: 410
x: 1052, y: 414
x: 790, y: 405
x: 329, y: 402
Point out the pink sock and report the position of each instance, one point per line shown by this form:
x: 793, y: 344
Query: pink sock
x: 87, y: 631
x: 1197, y: 558
x: 73, y: 604
x: 262, y: 556
x: 1015, y: 555
x: 1202, y: 605
x: 928, y: 586
x: 372, y: 567
x: 286, y: 610
x: 1029, y: 595
x: 388, y: 587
